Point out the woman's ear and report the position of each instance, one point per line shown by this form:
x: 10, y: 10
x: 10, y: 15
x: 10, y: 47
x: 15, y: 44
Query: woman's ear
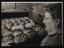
x: 57, y: 21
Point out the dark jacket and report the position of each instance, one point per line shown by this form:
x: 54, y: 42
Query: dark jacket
x: 53, y: 40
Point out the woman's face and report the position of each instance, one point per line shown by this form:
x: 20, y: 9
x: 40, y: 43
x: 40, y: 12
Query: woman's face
x: 48, y: 20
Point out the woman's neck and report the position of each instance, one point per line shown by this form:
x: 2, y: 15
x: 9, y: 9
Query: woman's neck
x: 52, y: 31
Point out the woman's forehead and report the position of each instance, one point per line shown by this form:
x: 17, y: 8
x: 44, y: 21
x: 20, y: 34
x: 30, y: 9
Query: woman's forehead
x: 48, y: 15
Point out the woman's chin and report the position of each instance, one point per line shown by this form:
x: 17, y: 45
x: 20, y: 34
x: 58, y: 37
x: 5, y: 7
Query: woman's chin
x: 47, y: 28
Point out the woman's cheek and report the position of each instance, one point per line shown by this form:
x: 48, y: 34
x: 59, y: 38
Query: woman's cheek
x: 49, y: 24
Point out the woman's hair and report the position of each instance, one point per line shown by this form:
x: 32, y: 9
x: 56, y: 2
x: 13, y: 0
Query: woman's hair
x: 56, y: 12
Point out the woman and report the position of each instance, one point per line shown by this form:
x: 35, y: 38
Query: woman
x: 53, y: 22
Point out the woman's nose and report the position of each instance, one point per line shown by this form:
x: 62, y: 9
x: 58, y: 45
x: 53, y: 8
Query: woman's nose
x: 44, y: 21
